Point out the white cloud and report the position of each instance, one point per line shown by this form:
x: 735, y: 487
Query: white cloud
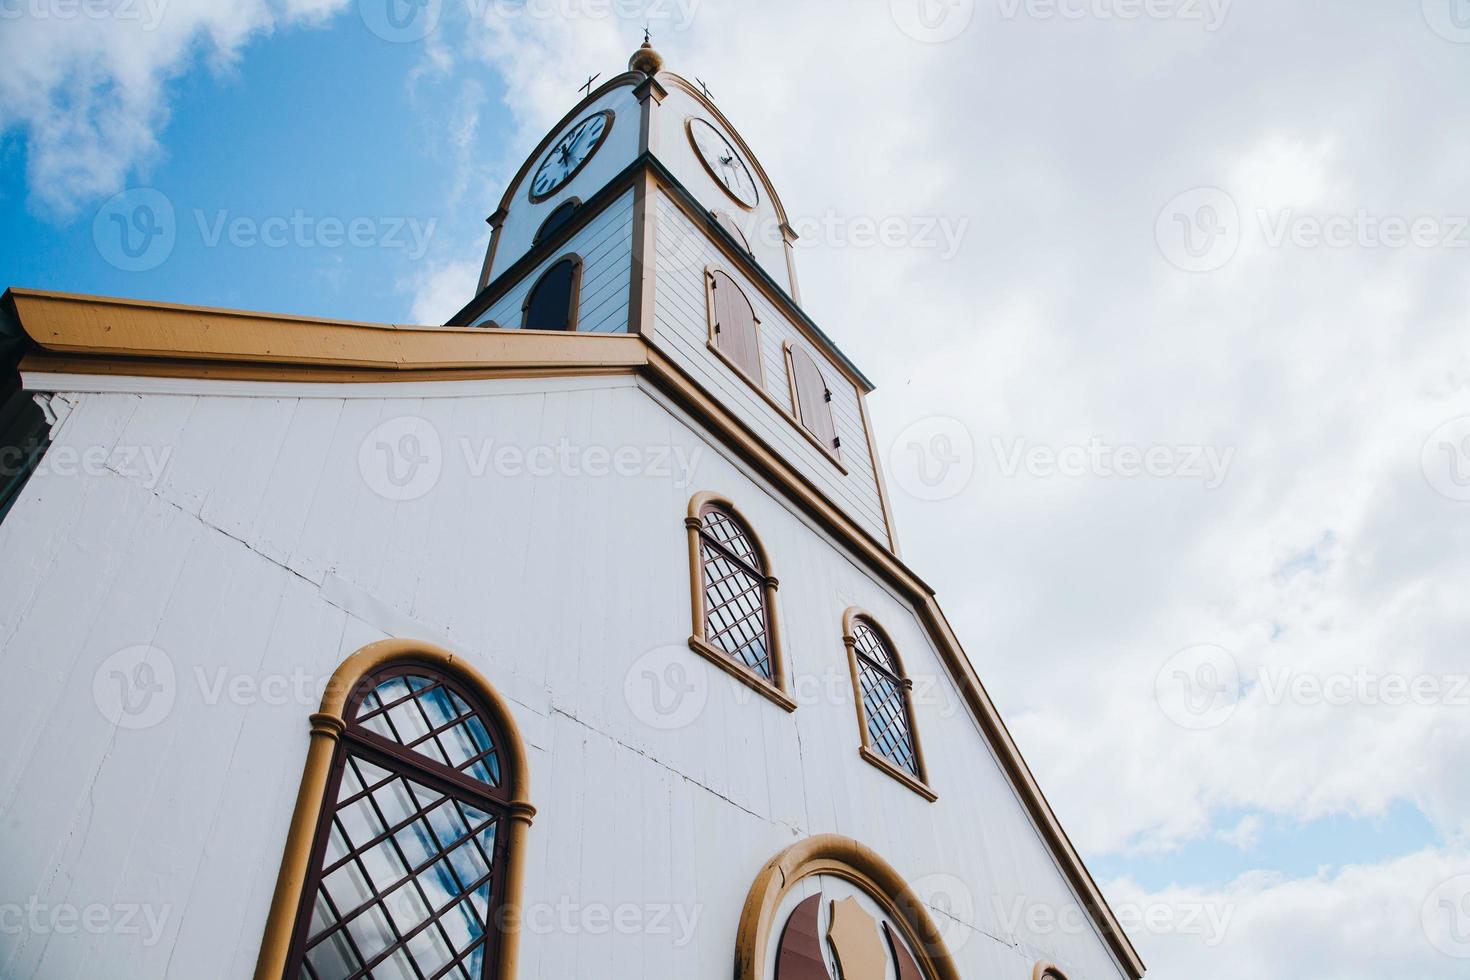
x: 91, y: 92
x: 1396, y: 919
x: 442, y: 290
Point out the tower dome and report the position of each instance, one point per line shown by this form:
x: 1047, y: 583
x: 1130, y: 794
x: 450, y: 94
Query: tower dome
x: 645, y: 59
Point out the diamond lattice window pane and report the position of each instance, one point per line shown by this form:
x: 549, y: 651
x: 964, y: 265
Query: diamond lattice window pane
x: 885, y: 702
x: 722, y: 528
x: 407, y: 890
x: 425, y: 716
x: 735, y: 611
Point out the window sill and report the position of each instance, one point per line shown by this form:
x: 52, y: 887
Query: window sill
x: 880, y: 762
x: 781, y: 410
x: 744, y: 675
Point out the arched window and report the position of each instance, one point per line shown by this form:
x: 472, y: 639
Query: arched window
x: 552, y: 302
x: 1047, y: 971
x: 812, y: 397
x: 556, y: 219
x: 405, y: 853
x: 888, y: 932
x: 733, y: 327
x: 725, y: 221
x: 734, y: 598
x: 883, y: 696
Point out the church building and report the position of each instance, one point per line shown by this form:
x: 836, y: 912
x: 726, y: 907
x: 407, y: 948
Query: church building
x: 569, y: 639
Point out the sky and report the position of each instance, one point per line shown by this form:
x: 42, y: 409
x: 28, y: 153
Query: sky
x: 1168, y: 331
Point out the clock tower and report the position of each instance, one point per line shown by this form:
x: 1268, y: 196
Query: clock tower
x: 648, y: 114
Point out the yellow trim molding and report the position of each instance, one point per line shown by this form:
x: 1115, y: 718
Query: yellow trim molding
x: 327, y: 726
x: 61, y: 323
x: 842, y: 857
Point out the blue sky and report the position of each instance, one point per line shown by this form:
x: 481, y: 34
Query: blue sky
x: 1279, y: 845
x: 1059, y: 145
x: 315, y: 121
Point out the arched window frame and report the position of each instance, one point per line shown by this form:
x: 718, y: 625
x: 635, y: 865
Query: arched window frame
x: 855, y: 862
x: 834, y: 451
x: 758, y: 380
x: 774, y: 688
x: 919, y: 782
x: 1047, y: 971
x: 574, y: 300
x: 329, y: 744
x: 571, y: 205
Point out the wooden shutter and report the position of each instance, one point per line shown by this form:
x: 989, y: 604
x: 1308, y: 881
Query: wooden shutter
x: 735, y: 325
x: 813, y: 399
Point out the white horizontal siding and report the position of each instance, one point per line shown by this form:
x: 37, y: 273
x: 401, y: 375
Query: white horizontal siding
x: 262, y: 551
x: 606, y: 248
x: 681, y: 329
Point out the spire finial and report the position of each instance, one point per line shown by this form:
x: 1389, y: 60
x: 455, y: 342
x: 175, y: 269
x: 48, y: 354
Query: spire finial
x: 645, y: 59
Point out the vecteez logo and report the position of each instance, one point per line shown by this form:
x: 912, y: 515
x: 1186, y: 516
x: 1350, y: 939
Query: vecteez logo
x: 1445, y: 459
x: 1446, y: 917
x: 135, y: 688
x: 666, y: 688
x: 1450, y: 19
x: 401, y: 21
x: 1199, y: 230
x: 932, y: 21
x: 933, y: 458
x: 1199, y: 687
x: 136, y: 230
x: 401, y: 459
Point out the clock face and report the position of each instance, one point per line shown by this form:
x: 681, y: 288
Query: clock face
x: 570, y: 154
x: 723, y: 163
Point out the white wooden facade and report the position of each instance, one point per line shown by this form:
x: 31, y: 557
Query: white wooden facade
x: 237, y: 530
